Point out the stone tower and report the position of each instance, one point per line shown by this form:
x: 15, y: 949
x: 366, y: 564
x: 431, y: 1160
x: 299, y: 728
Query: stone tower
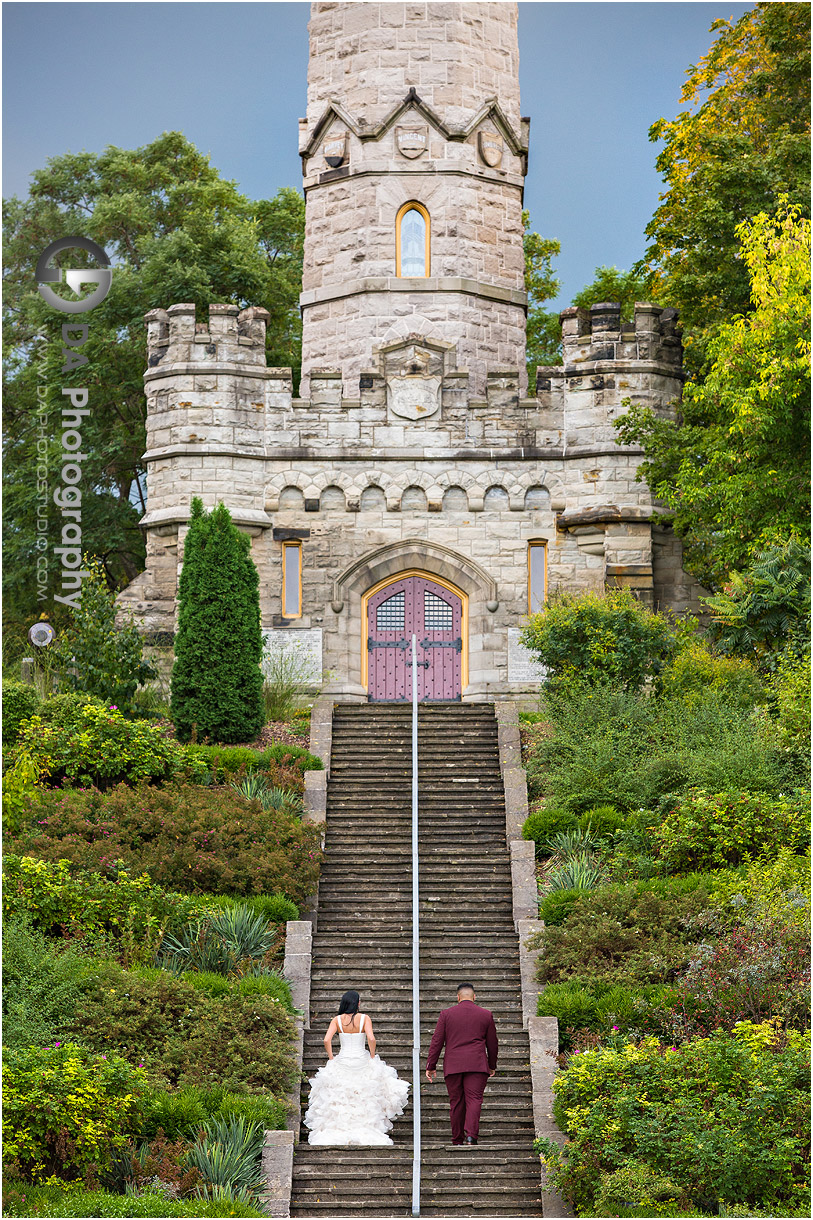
x: 414, y: 156
x: 413, y: 486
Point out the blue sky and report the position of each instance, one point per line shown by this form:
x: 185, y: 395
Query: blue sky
x: 232, y: 77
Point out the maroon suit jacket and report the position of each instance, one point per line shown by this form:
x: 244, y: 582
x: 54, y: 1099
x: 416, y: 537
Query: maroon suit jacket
x: 470, y: 1037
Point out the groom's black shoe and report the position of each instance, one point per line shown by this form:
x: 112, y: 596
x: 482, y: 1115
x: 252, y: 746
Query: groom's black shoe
x: 471, y: 1139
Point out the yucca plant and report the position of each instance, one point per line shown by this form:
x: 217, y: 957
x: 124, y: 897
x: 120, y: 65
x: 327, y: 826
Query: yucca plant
x: 580, y: 871
x: 227, y: 1156
x: 255, y: 787
x: 229, y: 941
x: 568, y: 842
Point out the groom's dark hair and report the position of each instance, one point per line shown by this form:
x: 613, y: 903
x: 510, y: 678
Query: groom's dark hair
x: 465, y: 987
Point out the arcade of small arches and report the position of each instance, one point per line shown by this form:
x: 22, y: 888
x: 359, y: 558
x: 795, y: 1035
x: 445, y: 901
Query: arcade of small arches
x: 413, y: 491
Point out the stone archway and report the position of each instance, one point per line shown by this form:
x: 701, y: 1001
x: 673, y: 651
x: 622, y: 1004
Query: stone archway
x: 348, y: 646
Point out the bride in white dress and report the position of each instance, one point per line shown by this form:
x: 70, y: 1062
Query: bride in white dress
x: 356, y: 1096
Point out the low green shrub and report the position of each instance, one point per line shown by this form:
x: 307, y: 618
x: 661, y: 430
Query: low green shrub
x: 54, y: 1201
x: 67, y: 1109
x: 225, y: 762
x: 555, y: 907
x: 187, y: 838
x: 603, y: 820
x: 276, y: 908
x: 623, y: 935
x: 43, y: 984
x: 637, y: 1190
x: 767, y: 889
x: 543, y: 823
x: 186, y: 1037
x: 790, y: 692
x: 19, y: 702
x: 695, y: 671
x: 65, y: 710
x: 100, y: 747
x: 126, y: 914
x: 715, y: 829
x: 605, y: 1007
x: 181, y: 1113
x: 723, y: 1118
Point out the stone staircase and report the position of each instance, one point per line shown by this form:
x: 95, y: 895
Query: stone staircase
x: 364, y: 941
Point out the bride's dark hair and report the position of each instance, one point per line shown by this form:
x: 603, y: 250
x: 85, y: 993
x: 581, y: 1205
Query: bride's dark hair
x: 349, y: 1002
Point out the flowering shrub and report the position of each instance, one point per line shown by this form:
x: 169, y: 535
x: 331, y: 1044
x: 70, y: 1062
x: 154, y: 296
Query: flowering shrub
x: 186, y: 1037
x: 132, y: 912
x: 100, y: 747
x: 67, y: 1109
x: 711, y: 830
x: 723, y: 1119
x: 755, y: 970
x: 187, y: 838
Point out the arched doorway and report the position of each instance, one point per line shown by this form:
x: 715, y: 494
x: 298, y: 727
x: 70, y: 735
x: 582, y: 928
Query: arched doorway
x: 435, y: 612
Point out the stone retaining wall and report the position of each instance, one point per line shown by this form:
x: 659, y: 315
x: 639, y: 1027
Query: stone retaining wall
x: 543, y: 1032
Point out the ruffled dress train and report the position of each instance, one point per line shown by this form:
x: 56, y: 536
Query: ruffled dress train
x: 355, y: 1097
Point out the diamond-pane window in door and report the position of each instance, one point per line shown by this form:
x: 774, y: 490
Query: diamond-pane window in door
x: 437, y: 614
x: 390, y: 614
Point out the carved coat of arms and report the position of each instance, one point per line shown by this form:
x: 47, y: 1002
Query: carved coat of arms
x: 491, y: 148
x: 413, y: 397
x: 411, y: 141
x: 335, y: 150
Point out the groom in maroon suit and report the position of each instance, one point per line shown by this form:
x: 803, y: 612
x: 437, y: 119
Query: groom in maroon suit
x: 470, y: 1037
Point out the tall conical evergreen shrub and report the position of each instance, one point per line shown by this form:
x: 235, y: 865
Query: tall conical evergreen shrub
x: 217, y: 686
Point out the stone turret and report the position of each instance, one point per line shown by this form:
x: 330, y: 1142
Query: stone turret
x: 413, y: 104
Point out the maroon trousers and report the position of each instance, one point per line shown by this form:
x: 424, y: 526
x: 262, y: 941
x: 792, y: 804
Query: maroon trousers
x: 465, y: 1091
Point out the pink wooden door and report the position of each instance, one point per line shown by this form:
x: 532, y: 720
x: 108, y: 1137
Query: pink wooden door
x: 435, y: 615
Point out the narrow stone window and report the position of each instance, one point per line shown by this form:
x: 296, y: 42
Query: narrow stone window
x: 291, y: 580
x: 537, y: 576
x: 412, y: 241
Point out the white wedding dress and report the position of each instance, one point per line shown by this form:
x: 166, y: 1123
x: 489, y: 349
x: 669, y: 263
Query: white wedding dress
x: 355, y: 1097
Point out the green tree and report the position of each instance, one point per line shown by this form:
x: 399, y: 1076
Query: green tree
x: 610, y: 284
x: 217, y: 686
x: 93, y: 654
x: 542, y: 331
x: 176, y: 231
x: 742, y: 142
x: 734, y: 466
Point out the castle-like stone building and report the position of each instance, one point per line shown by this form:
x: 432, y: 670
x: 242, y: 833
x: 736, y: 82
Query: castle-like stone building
x: 413, y: 487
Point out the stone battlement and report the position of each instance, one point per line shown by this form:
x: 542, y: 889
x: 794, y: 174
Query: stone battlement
x: 598, y: 333
x: 231, y: 335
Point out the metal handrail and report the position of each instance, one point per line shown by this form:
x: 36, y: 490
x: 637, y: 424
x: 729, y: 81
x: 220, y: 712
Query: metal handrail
x: 416, y: 1003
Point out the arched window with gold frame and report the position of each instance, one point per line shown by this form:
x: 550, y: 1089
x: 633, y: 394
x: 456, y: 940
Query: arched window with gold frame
x: 412, y: 241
